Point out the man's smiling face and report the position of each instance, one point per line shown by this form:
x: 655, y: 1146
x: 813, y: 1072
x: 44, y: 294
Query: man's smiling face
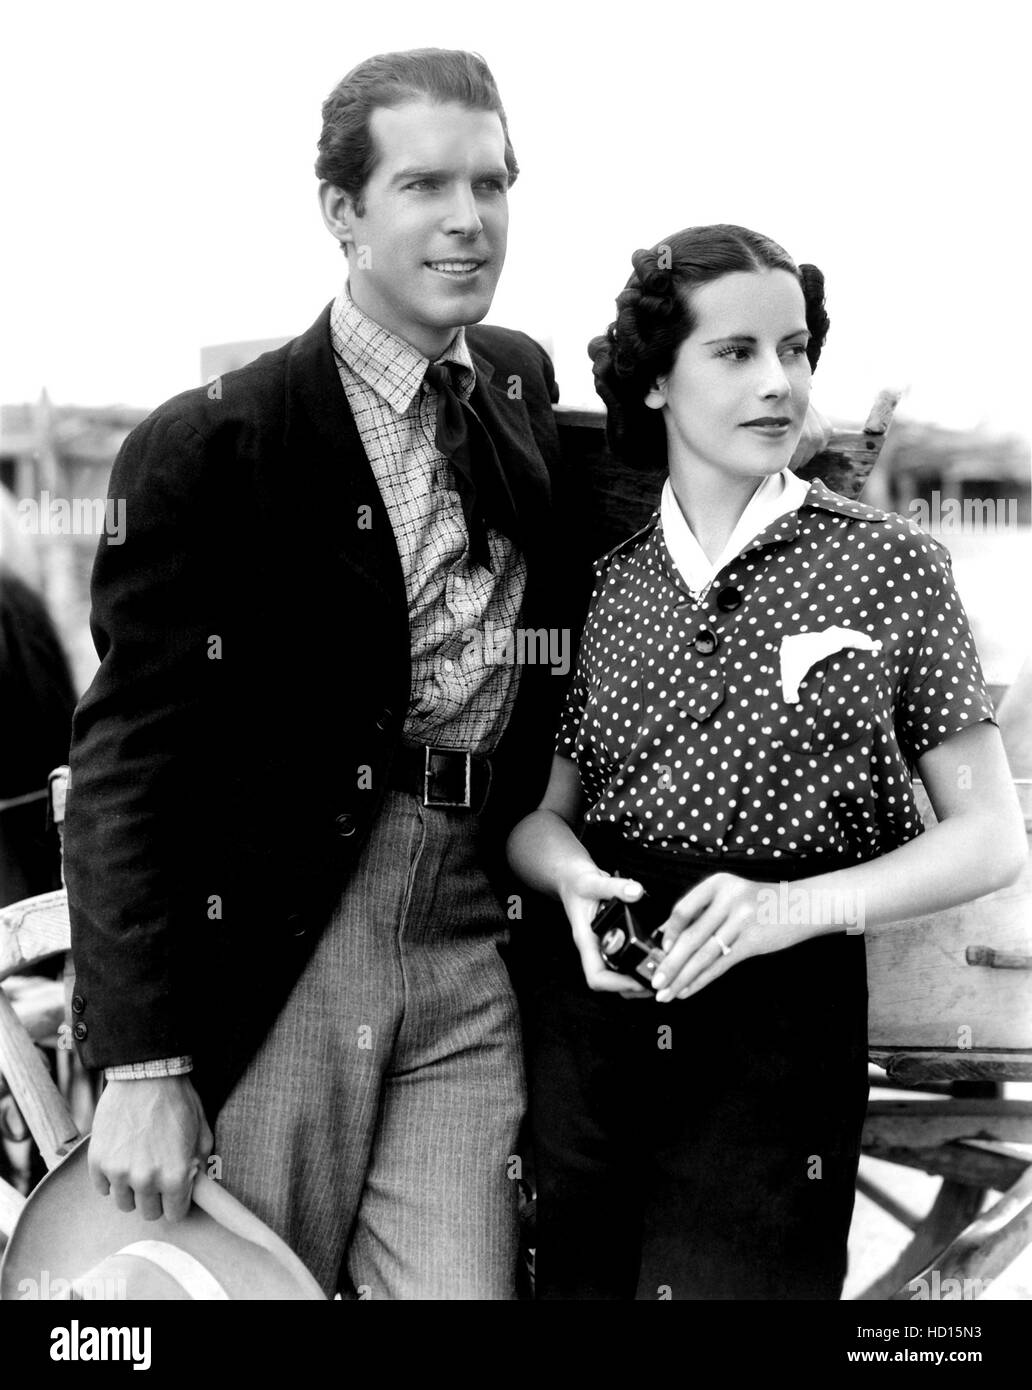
x: 427, y: 246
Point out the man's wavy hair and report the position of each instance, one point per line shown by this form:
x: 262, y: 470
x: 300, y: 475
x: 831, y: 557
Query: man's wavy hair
x: 347, y: 151
x: 654, y: 316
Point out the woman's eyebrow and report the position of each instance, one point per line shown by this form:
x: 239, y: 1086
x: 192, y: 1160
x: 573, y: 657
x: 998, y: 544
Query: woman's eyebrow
x: 748, y: 337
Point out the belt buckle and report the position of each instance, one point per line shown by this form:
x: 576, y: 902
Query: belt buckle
x: 428, y: 772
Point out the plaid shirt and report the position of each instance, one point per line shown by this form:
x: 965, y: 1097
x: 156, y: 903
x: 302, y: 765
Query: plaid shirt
x: 460, y: 698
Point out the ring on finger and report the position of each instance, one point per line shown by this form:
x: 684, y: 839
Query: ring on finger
x: 725, y: 949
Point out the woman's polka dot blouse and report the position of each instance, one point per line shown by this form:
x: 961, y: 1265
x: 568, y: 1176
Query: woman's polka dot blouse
x: 677, y: 718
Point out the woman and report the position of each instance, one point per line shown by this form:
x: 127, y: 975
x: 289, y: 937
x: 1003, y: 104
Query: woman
x: 764, y: 667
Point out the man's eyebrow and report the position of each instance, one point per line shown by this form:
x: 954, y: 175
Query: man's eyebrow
x: 442, y: 175
x: 415, y: 173
x: 748, y: 337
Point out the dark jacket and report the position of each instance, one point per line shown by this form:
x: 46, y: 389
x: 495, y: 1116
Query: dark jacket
x: 254, y: 645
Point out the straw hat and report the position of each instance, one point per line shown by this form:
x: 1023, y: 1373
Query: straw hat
x: 71, y: 1243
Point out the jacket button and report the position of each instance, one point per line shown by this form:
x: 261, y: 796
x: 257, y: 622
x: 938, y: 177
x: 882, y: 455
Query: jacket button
x: 729, y: 599
x: 78, y: 1004
x: 79, y: 1032
x: 383, y: 720
x: 345, y: 825
x: 296, y: 924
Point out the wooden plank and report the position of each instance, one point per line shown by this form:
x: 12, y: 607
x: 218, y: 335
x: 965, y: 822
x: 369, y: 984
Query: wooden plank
x: 925, y: 1124
x: 962, y: 1162
x: 576, y: 417
x: 925, y: 992
x: 58, y: 783
x: 32, y: 930
x: 40, y: 1009
x: 983, y: 1249
x: 34, y: 1092
x: 935, y: 1068
x: 953, y: 1208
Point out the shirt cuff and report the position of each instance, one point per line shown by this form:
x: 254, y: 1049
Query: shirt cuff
x: 149, y: 1071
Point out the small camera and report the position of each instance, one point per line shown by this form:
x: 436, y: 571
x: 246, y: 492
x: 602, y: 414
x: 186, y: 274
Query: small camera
x: 629, y: 937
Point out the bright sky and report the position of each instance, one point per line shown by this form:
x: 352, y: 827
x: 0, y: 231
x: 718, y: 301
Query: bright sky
x: 159, y: 191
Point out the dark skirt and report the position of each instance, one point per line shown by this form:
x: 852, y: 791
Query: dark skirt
x: 706, y: 1148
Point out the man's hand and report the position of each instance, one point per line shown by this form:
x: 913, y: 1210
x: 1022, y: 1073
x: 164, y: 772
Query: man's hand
x: 816, y: 434
x: 581, y: 893
x: 149, y: 1140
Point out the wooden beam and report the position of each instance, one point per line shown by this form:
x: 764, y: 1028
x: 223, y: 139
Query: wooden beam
x: 953, y: 1208
x: 40, y: 1008
x: 925, y: 1124
x: 33, y: 1089
x: 32, y: 930
x: 984, y: 1248
x: 958, y: 1163
x: 920, y: 1066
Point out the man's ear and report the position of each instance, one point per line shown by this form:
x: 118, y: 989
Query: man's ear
x: 338, y: 212
x: 656, y: 396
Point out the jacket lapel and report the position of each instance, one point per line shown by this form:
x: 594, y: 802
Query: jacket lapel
x: 508, y: 423
x: 327, y: 459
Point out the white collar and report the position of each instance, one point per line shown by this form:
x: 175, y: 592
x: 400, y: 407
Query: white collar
x: 777, y: 494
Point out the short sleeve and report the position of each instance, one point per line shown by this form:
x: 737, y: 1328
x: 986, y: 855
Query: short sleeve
x: 943, y: 691
x: 577, y: 692
x: 573, y: 710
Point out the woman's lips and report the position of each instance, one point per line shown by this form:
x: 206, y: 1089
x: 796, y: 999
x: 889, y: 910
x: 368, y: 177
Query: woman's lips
x: 773, y: 427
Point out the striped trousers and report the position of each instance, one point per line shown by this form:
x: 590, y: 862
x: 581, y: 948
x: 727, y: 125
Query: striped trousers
x: 376, y: 1128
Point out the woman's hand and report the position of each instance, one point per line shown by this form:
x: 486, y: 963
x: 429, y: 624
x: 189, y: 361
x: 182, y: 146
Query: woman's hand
x: 581, y: 889
x: 720, y: 909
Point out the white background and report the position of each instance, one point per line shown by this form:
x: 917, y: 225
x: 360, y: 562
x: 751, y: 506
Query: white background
x: 159, y: 191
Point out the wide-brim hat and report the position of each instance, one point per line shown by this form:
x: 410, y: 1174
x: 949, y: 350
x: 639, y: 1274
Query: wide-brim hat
x: 71, y: 1242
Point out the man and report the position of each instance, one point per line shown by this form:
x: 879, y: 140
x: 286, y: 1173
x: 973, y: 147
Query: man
x: 298, y: 761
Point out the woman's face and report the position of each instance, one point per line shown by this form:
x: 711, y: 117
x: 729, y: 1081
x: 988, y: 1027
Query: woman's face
x: 737, y: 394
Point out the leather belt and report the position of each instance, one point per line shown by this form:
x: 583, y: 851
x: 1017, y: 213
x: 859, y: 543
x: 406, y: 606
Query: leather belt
x: 442, y: 777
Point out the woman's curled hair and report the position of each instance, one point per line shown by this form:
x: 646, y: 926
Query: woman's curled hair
x: 654, y: 316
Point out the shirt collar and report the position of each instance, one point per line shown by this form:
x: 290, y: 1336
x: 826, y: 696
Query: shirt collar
x: 783, y: 528
x: 777, y: 494
x: 386, y: 363
x: 826, y: 499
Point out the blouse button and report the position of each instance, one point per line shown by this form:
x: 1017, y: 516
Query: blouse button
x: 706, y: 642
x: 729, y: 599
